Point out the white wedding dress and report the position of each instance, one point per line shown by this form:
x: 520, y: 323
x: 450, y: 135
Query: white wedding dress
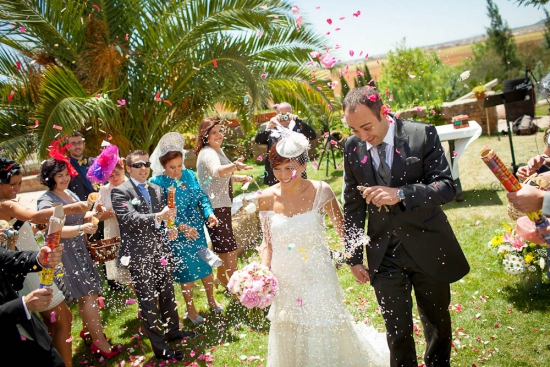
x: 310, y: 325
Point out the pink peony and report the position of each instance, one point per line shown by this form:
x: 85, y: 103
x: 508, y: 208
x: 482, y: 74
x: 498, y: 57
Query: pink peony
x: 249, y: 298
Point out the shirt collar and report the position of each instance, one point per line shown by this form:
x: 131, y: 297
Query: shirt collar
x: 137, y: 183
x: 388, y: 139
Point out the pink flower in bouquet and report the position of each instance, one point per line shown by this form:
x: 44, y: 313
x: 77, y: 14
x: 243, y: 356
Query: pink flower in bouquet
x: 249, y: 298
x: 526, y: 228
x: 266, y: 300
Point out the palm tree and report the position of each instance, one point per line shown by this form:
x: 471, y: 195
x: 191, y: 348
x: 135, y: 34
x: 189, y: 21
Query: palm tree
x: 132, y: 70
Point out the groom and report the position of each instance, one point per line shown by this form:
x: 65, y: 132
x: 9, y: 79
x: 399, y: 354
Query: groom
x: 405, y: 179
x: 141, y: 210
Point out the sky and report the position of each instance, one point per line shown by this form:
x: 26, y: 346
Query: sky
x: 382, y: 25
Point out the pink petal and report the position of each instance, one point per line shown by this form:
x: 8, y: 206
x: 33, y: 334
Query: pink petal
x: 157, y: 97
x: 342, y: 18
x: 336, y: 29
x: 22, y: 29
x: 57, y: 127
x: 163, y: 261
x: 295, y: 9
x: 168, y: 102
x: 101, y: 302
x: 351, y: 52
x: 263, y: 76
x: 52, y: 317
x: 35, y: 124
x: 356, y: 14
x: 126, y: 37
x: 455, y: 154
x: 121, y: 102
x: 432, y: 112
x: 364, y: 160
x: 10, y: 97
x: 18, y: 65
x: 315, y: 165
x: 215, y: 63
x: 418, y: 109
x: 397, y: 151
x: 329, y: 107
x: 96, y: 8
x: 329, y: 21
x: 130, y: 301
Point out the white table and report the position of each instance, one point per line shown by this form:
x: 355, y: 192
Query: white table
x: 458, y: 140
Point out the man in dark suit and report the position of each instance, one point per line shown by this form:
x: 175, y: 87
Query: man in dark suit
x: 79, y: 184
x: 141, y: 209
x: 24, y: 337
x: 286, y: 119
x: 398, y: 172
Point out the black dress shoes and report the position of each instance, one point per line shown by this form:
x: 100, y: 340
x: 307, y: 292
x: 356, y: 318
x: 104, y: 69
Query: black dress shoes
x: 180, y: 335
x: 170, y: 354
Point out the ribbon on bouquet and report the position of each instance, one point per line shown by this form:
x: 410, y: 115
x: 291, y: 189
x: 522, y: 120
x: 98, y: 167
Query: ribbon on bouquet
x: 511, y: 184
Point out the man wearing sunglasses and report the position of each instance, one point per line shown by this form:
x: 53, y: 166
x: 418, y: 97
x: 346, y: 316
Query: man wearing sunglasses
x: 140, y: 208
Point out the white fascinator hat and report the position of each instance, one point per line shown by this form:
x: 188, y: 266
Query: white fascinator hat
x: 293, y: 145
x: 171, y: 142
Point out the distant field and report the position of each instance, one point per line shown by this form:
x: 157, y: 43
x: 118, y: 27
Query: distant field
x: 454, y: 55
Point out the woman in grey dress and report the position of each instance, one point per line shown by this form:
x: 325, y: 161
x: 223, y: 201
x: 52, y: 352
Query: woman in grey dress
x: 79, y: 279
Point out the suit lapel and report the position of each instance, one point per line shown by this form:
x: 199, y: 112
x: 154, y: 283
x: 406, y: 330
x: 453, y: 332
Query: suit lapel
x: 143, y: 203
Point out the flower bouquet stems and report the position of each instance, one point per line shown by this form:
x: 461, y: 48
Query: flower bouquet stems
x: 511, y: 184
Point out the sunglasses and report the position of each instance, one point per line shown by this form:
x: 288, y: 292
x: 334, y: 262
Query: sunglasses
x: 141, y: 164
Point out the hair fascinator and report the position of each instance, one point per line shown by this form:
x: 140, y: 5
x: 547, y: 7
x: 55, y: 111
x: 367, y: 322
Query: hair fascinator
x: 57, y: 153
x: 8, y: 168
x: 103, y: 165
x: 292, y: 145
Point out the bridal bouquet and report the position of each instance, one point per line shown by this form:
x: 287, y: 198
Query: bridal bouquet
x: 518, y: 254
x: 255, y: 285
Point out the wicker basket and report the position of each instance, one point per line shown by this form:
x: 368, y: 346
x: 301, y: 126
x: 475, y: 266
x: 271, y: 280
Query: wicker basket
x: 246, y: 227
x: 103, y: 250
x: 539, y: 181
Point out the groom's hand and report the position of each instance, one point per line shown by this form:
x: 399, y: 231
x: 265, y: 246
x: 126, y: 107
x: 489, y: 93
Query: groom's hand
x: 361, y: 273
x: 381, y: 195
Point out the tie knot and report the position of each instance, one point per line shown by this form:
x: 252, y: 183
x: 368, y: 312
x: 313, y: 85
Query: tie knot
x: 141, y: 185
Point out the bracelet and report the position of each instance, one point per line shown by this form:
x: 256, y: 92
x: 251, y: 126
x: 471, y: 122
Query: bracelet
x: 80, y: 230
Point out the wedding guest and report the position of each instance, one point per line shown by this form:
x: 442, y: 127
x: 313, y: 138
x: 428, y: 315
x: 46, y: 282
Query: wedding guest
x: 116, y: 274
x: 216, y: 177
x: 539, y: 163
x: 269, y: 134
x: 79, y: 184
x: 24, y: 338
x: 80, y: 280
x: 11, y: 179
x: 193, y: 208
x: 140, y: 208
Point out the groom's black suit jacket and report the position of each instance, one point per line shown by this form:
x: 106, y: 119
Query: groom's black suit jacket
x: 14, y: 266
x: 420, y: 168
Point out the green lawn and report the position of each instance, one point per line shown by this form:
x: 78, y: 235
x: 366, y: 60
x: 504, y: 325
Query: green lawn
x: 495, y: 322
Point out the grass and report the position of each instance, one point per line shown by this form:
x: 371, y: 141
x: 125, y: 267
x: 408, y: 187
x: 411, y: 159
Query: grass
x: 495, y: 323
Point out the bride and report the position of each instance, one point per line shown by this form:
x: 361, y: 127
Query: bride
x: 310, y: 325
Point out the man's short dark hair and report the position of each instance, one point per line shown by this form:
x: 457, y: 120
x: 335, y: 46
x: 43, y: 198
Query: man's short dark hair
x: 367, y: 96
x: 129, y: 158
x: 76, y: 134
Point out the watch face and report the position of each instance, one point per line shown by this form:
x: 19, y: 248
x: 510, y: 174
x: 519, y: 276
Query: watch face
x: 401, y: 194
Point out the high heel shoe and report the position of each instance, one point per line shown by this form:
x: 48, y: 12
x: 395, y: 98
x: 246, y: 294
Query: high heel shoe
x: 115, y: 350
x: 217, y: 310
x: 217, y: 284
x: 198, y: 320
x: 87, y: 337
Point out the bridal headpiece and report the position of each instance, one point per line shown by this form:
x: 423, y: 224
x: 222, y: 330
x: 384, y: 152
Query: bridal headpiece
x: 293, y: 145
x: 171, y: 142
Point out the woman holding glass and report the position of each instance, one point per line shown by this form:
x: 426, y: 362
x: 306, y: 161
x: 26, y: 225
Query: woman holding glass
x: 80, y: 279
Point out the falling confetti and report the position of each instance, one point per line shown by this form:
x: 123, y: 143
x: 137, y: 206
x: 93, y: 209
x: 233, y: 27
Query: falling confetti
x: 96, y: 8
x: 215, y: 62
x: 57, y: 127
x: 364, y: 160
x: 10, y: 97
x: 121, y: 102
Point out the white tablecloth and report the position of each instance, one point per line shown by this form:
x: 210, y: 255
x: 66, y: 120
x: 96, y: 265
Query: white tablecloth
x: 461, y: 138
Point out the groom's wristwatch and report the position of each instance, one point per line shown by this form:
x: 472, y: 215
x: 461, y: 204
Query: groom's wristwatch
x: 400, y: 194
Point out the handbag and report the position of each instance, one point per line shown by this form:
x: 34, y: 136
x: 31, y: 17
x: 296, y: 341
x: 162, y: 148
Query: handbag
x: 210, y: 257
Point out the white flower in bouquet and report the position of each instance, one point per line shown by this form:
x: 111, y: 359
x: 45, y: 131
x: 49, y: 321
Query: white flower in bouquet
x: 513, y: 264
x: 542, y: 263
